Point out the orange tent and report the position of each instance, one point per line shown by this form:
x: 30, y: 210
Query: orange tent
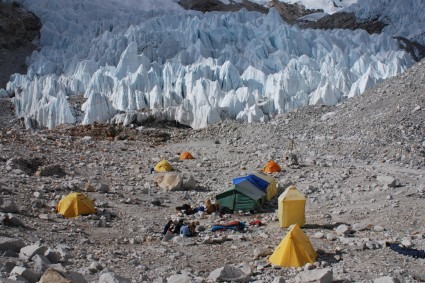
x: 271, y: 167
x: 186, y: 155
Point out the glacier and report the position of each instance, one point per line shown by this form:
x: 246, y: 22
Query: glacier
x: 135, y: 60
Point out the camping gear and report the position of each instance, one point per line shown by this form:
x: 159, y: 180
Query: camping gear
x: 163, y: 166
x: 272, y: 188
x: 232, y: 225
x: 243, y: 196
x: 75, y: 204
x: 291, y: 207
x: 264, y: 182
x: 271, y: 167
x: 295, y: 250
x: 186, y: 155
x: 256, y: 181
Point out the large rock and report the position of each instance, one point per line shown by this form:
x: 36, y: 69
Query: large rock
x: 50, y: 170
x: 386, y: 279
x: 31, y: 250
x: 343, y: 230
x: 11, y: 244
x: 41, y: 263
x: 189, y: 183
x: 61, y: 276
x: 387, y: 181
x: 8, y: 205
x: 315, y: 275
x: 26, y: 273
x: 179, y: 278
x: 111, y: 277
x: 231, y: 274
x: 169, y: 181
x: 261, y: 252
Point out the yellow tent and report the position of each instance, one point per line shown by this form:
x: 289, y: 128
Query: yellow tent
x: 75, y: 204
x: 186, y: 155
x: 271, y: 167
x: 163, y: 166
x: 271, y: 188
x: 291, y: 207
x: 295, y: 250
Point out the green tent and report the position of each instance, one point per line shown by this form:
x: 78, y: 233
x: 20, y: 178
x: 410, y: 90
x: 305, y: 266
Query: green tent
x: 243, y: 196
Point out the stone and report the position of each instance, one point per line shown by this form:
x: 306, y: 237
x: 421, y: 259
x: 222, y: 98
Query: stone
x: 189, y: 183
x: 31, y: 250
x: 26, y: 273
x: 378, y: 228
x: 52, y: 256
x: 50, y: 170
x: 8, y: 205
x: 315, y: 275
x: 331, y: 236
x: 387, y: 181
x: 278, y: 279
x: 63, y: 251
x: 386, y: 279
x: 11, y: 244
x: 359, y: 226
x: 407, y: 243
x: 318, y: 235
x: 156, y: 201
x: 103, y: 188
x: 15, y: 221
x: 41, y: 263
x: 230, y: 273
x: 89, y: 187
x: 169, y: 181
x: 261, y: 252
x: 343, y: 230
x: 7, y: 267
x: 15, y: 278
x: 111, y: 277
x: 55, y: 276
x: 179, y: 278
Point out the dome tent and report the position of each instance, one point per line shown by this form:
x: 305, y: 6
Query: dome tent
x: 75, y: 204
x: 163, y: 166
x: 186, y: 155
x: 271, y: 167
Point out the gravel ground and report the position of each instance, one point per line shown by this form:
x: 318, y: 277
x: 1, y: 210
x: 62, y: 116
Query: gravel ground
x: 343, y: 151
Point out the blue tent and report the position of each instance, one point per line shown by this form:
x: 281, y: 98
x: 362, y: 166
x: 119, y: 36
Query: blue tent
x: 253, y: 179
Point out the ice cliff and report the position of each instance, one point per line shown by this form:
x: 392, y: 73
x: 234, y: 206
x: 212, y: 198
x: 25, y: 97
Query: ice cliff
x: 190, y: 67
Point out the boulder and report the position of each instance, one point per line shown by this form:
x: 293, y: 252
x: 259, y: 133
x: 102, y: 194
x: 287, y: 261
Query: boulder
x: 189, y: 183
x: 111, y: 277
x: 11, y: 244
x: 231, y: 274
x: 386, y: 279
x: 387, y: 181
x: 14, y: 221
x: 50, y: 170
x: 52, y: 256
x: 343, y: 230
x: 31, y: 250
x: 169, y: 181
x: 7, y: 205
x: 61, y: 276
x: 41, y: 263
x: 26, y: 273
x: 315, y: 275
x: 261, y: 252
x: 179, y: 278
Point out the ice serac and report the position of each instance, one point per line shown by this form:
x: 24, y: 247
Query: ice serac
x: 97, y: 108
x: 190, y: 67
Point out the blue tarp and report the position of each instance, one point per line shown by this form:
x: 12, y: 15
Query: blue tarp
x: 255, y: 180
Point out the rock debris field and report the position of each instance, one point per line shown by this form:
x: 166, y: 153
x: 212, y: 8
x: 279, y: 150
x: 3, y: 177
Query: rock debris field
x: 362, y: 169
